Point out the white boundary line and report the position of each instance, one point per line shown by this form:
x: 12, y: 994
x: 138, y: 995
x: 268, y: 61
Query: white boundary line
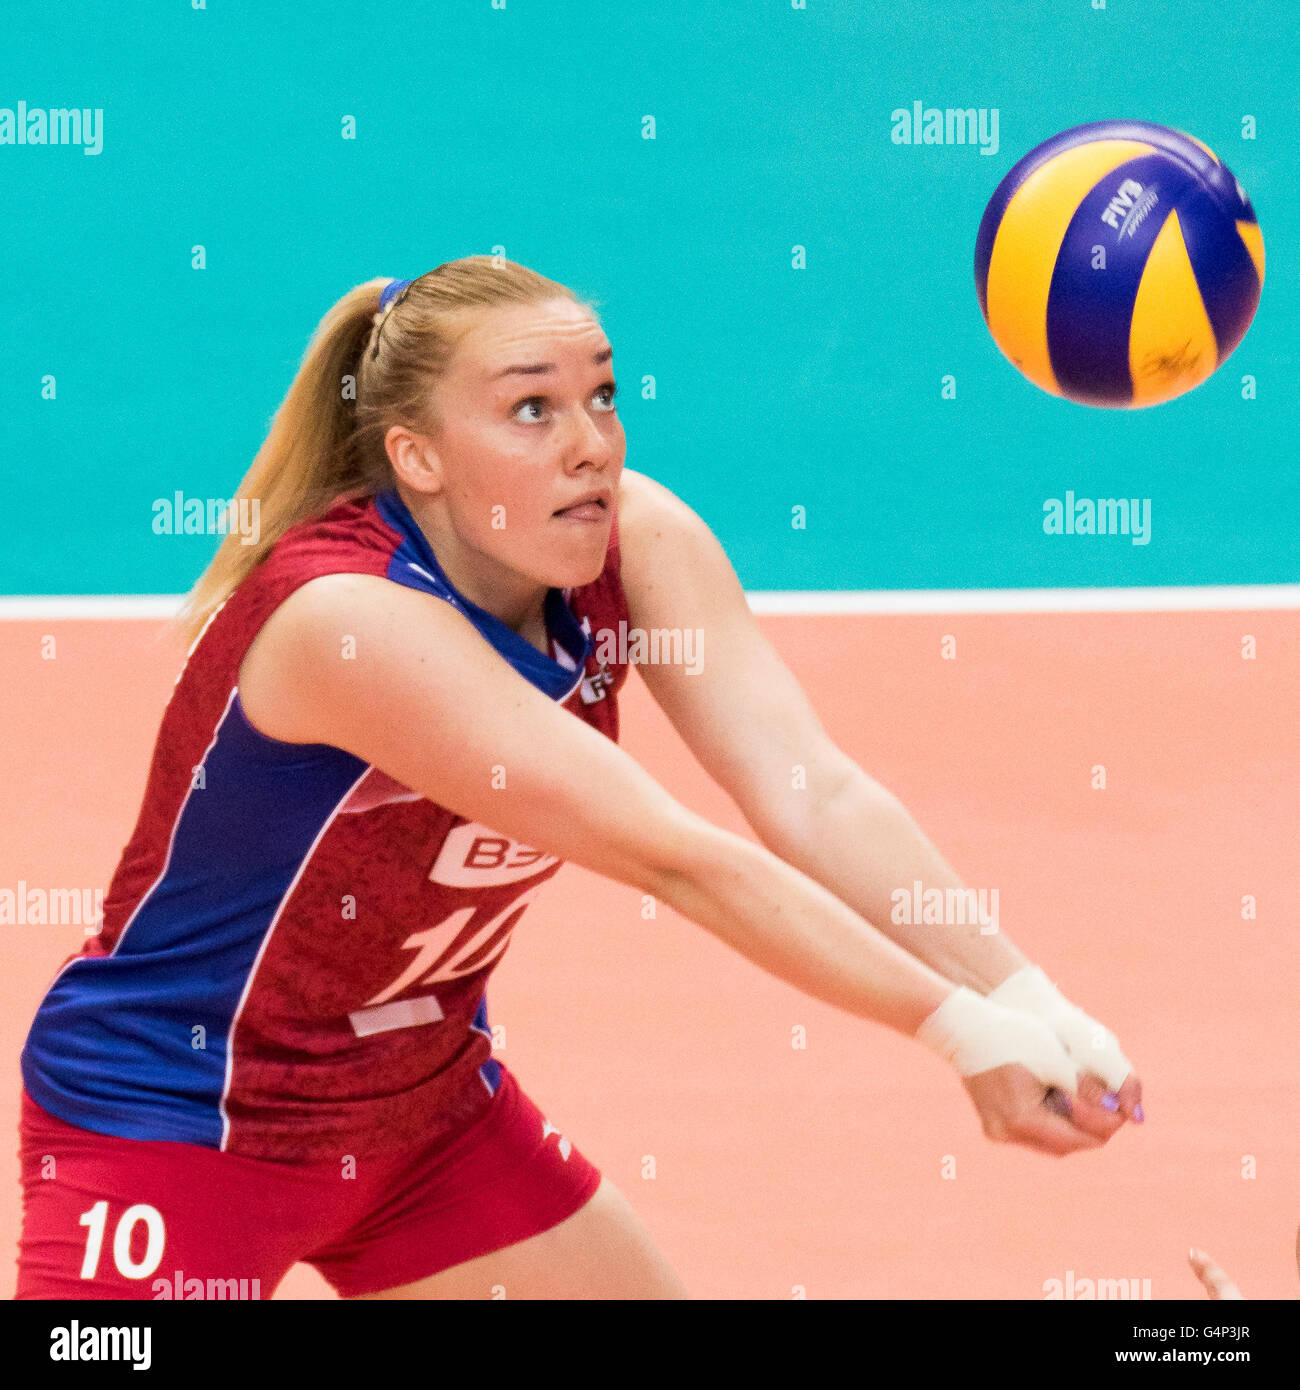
x: 792, y: 602
x: 1193, y: 598
x: 55, y: 606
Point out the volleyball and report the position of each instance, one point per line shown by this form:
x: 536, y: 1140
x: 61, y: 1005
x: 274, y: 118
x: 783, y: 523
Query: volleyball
x: 1119, y: 264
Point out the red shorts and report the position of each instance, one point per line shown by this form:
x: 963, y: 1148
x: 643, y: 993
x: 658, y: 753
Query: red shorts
x: 105, y: 1217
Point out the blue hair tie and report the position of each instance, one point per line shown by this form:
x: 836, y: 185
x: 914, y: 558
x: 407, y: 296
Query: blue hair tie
x: 391, y: 291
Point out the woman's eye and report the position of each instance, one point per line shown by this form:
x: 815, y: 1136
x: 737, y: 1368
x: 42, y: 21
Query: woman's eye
x: 538, y: 402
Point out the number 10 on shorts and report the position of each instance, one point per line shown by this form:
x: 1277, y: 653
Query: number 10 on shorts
x: 97, y: 1219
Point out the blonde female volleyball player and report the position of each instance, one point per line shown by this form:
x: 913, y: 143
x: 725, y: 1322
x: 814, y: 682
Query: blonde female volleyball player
x: 397, y: 719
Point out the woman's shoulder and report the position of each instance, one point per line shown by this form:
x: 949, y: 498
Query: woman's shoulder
x: 348, y: 537
x: 654, y: 521
x: 342, y: 529
x: 646, y: 509
x: 328, y: 553
x: 638, y: 494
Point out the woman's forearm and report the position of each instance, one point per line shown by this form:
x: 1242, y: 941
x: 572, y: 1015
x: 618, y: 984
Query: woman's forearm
x: 796, y: 929
x: 864, y: 846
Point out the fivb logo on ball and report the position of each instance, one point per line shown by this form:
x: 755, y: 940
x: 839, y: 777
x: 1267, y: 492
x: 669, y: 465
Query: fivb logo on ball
x: 1132, y: 203
x: 929, y: 125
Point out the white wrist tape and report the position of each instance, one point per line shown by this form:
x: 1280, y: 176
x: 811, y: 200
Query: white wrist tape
x: 976, y: 1036
x: 1091, y: 1047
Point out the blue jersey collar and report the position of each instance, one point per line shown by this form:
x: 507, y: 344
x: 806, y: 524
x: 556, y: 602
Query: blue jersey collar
x: 415, y: 565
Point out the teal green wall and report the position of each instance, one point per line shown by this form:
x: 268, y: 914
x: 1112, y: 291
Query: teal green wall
x: 522, y: 128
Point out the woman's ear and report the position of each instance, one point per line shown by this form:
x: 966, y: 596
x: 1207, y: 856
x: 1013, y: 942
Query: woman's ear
x: 415, y: 459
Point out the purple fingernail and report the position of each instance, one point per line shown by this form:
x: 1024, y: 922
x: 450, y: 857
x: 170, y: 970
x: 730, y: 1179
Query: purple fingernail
x: 1111, y: 1101
x: 1139, y: 1114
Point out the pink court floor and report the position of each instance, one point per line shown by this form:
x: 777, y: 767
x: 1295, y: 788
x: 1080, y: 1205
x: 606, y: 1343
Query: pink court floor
x: 854, y: 1167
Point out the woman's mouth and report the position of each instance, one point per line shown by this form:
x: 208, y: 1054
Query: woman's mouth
x: 585, y: 512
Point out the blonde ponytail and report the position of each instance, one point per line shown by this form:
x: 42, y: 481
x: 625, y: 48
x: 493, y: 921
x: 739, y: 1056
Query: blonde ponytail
x: 326, y: 440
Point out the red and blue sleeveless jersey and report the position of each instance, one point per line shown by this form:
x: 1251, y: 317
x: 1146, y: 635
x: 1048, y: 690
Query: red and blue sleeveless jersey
x: 295, y: 947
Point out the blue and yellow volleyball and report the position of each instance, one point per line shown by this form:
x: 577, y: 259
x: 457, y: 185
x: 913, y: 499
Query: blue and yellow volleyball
x: 1119, y: 264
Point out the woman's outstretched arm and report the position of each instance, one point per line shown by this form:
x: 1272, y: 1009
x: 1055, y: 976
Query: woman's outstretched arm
x: 426, y: 699
x: 752, y: 727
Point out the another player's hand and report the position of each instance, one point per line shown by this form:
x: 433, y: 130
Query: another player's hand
x: 1016, y: 1108
x: 1217, y: 1284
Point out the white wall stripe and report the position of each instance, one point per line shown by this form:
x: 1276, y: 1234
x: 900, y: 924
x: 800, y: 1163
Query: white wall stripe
x: 783, y: 602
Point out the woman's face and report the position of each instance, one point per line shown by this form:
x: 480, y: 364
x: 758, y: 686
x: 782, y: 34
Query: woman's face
x: 528, y: 429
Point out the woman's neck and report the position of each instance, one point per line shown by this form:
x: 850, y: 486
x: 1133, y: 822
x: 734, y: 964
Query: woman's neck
x: 513, y: 598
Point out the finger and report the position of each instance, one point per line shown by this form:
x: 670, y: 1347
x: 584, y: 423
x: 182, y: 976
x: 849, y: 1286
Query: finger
x: 1101, y: 1097
x: 1130, y: 1099
x: 1099, y: 1093
x: 1048, y: 1133
x: 1090, y: 1114
x: 1092, y: 1087
x: 1217, y: 1284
